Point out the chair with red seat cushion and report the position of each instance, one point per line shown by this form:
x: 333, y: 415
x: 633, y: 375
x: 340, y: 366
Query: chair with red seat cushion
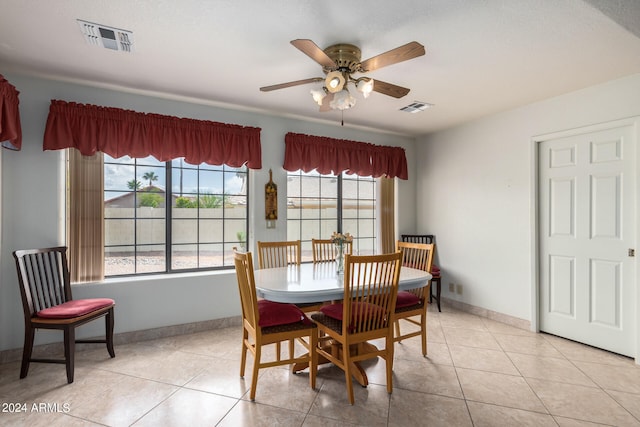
x: 266, y: 322
x: 45, y: 288
x: 370, y: 291
x: 435, y: 270
x: 413, y: 302
x: 281, y: 254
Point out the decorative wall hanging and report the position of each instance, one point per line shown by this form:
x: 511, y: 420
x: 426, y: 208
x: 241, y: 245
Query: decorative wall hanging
x: 271, y: 201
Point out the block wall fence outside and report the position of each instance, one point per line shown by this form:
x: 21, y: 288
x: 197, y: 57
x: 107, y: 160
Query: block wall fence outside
x: 185, y: 227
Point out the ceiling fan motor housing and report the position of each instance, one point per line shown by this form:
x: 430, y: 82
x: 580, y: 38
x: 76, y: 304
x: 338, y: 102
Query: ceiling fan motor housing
x: 346, y: 56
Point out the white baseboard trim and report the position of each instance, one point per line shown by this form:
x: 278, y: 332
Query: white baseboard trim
x: 516, y: 322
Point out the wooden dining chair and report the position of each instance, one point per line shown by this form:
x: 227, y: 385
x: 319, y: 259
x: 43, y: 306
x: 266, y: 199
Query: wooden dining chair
x: 366, y: 313
x: 282, y: 254
x: 413, y: 302
x: 279, y: 254
x: 436, y: 278
x: 45, y: 288
x: 266, y: 322
x: 324, y: 250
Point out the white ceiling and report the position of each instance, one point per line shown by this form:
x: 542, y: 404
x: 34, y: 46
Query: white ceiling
x: 483, y: 56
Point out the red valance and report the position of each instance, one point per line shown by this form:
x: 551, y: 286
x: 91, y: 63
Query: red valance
x: 117, y: 132
x: 329, y: 155
x: 10, y: 129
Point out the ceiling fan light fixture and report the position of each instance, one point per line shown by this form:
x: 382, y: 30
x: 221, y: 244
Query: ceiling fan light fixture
x: 318, y: 95
x: 334, y: 82
x: 342, y: 100
x: 365, y: 86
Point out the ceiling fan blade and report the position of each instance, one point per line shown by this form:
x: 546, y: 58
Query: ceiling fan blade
x: 403, y: 53
x: 289, y: 84
x: 312, y: 50
x: 325, y: 102
x: 389, y: 89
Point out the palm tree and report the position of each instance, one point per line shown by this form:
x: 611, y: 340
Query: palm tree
x: 134, y: 184
x: 151, y: 176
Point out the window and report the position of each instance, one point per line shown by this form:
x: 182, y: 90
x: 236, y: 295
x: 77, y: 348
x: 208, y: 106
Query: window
x: 173, y: 216
x: 318, y: 205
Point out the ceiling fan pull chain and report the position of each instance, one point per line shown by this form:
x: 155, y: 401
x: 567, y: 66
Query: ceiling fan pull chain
x: 342, y: 121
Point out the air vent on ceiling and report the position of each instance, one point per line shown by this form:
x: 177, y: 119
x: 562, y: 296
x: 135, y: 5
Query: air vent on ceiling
x: 107, y: 37
x: 416, y: 107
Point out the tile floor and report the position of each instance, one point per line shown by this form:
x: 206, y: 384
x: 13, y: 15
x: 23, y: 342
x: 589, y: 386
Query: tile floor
x: 478, y: 373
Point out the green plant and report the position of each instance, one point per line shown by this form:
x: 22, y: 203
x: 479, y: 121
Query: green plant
x: 211, y: 201
x: 134, y: 184
x: 151, y: 176
x: 151, y: 200
x: 184, y: 202
x: 241, y: 236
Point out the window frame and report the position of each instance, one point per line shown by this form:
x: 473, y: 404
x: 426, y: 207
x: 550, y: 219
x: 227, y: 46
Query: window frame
x: 168, y: 245
x: 340, y: 217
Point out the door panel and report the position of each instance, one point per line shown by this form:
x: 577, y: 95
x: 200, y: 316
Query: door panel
x: 587, y: 224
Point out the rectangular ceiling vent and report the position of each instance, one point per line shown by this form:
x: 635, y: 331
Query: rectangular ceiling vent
x: 107, y: 37
x: 416, y: 107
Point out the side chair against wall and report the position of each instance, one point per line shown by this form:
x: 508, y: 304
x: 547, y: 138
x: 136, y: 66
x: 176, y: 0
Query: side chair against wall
x: 413, y: 302
x: 435, y: 270
x: 365, y: 314
x: 324, y: 250
x: 266, y: 322
x: 45, y: 288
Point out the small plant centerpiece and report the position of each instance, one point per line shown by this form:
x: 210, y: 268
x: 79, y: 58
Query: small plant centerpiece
x: 339, y: 240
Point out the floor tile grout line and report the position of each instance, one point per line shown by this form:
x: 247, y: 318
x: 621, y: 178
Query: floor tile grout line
x: 156, y: 406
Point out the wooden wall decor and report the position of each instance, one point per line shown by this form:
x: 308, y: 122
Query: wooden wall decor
x: 271, y: 199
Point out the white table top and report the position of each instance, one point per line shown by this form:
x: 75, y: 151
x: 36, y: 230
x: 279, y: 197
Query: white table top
x: 318, y: 282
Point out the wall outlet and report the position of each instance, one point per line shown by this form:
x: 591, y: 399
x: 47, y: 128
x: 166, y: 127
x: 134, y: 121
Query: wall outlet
x: 459, y: 289
x: 452, y: 287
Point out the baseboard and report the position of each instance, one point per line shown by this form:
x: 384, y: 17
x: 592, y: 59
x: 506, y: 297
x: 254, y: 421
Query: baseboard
x: 56, y: 349
x: 516, y: 322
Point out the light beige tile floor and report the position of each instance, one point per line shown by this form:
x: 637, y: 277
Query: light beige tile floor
x: 478, y: 373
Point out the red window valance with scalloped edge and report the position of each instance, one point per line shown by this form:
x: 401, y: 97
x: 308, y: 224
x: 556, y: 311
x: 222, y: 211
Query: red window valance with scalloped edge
x: 118, y: 132
x: 10, y: 128
x: 329, y: 155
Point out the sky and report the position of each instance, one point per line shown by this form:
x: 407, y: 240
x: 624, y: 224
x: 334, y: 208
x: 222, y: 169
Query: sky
x: 210, y: 179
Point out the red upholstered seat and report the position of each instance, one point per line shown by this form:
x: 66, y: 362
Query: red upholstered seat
x: 335, y: 311
x: 406, y: 299
x: 275, y: 314
x: 435, y: 270
x: 75, y: 308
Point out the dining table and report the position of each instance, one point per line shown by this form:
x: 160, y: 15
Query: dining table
x: 309, y: 283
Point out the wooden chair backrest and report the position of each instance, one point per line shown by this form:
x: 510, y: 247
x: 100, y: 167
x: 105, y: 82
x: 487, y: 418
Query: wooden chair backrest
x: 43, y: 275
x: 324, y: 250
x: 418, y: 238
x: 246, y: 287
x: 370, y: 279
x: 416, y: 255
x: 278, y: 254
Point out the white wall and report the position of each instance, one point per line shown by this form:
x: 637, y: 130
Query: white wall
x: 475, y: 192
x: 32, y: 202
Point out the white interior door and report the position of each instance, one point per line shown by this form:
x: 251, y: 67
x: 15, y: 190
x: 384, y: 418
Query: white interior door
x: 587, y: 229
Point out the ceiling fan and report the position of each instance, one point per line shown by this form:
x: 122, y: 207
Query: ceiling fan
x: 339, y: 63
